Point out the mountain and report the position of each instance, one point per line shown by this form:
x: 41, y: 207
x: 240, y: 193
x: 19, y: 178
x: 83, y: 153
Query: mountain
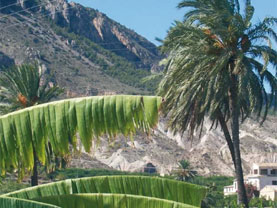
x: 81, y: 48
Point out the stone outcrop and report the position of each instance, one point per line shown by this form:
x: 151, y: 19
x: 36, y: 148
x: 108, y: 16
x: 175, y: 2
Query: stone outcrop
x: 97, y: 27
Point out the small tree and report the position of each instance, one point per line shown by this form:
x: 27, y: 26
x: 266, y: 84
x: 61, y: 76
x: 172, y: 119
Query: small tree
x: 251, y: 191
x: 184, y: 171
x: 24, y: 86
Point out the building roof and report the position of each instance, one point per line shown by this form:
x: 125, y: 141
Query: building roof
x: 267, y: 165
x: 252, y: 176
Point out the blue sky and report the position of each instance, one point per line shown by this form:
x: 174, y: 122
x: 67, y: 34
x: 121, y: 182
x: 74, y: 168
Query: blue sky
x: 152, y: 18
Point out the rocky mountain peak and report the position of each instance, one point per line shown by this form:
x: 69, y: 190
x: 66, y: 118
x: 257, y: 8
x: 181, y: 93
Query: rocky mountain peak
x: 93, y: 25
x: 97, y: 27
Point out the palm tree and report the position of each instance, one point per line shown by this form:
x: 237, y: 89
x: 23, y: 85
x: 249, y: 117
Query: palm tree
x: 184, y: 171
x: 23, y: 86
x: 217, y: 65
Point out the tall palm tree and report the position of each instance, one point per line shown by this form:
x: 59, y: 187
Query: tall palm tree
x: 23, y: 86
x: 217, y: 65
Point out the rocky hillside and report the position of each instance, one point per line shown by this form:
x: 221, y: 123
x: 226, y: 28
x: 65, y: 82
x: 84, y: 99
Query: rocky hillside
x: 209, y: 155
x: 83, y: 49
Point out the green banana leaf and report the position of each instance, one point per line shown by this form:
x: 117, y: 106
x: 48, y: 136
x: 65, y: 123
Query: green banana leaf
x: 7, y: 202
x: 57, y: 123
x: 157, y: 187
x: 110, y: 201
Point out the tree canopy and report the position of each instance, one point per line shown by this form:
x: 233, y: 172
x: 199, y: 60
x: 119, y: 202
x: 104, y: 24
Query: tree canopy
x: 218, y: 66
x: 213, y: 38
x: 24, y: 86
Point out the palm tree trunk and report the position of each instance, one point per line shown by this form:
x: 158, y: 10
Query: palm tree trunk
x: 236, y: 142
x: 227, y: 136
x: 34, y: 177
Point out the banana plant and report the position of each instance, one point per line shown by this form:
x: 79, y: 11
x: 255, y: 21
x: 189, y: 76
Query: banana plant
x: 56, y: 124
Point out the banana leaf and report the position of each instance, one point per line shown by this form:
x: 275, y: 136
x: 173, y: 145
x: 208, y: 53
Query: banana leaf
x: 110, y: 201
x: 156, y: 187
x: 7, y: 202
x: 57, y: 123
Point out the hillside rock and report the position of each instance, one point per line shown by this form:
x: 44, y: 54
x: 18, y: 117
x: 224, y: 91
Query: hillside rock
x: 209, y: 155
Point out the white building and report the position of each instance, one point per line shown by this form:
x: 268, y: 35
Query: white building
x: 261, y: 175
x: 269, y: 192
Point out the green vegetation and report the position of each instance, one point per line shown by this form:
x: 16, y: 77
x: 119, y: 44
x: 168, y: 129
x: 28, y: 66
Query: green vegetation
x: 215, y: 197
x: 215, y: 184
x: 231, y: 202
x: 261, y: 203
x: 214, y: 69
x: 21, y: 203
x: 218, y: 181
x: 110, y: 201
x: 70, y: 173
x: 9, y: 185
x: 136, y: 185
x: 56, y: 124
x: 184, y: 171
x: 24, y: 86
x: 110, y: 63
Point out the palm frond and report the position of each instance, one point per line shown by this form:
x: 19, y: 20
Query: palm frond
x: 197, y: 72
x: 23, y: 86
